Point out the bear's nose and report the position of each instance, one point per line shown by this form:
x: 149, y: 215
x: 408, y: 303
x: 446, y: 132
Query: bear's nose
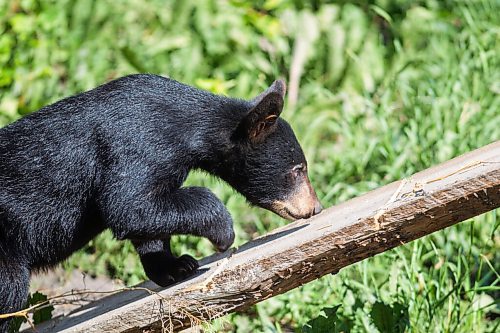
x: 317, y: 208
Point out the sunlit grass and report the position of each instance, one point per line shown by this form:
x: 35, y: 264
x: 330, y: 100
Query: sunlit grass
x: 388, y: 88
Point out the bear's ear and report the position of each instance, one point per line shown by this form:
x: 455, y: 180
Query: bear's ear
x: 265, y: 109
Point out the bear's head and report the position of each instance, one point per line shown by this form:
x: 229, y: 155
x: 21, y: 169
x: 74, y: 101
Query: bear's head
x: 267, y: 164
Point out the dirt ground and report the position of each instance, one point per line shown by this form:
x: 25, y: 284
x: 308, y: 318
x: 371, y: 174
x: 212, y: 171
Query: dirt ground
x: 57, y: 282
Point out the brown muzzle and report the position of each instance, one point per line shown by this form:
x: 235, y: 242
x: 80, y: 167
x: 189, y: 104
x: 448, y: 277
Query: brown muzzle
x: 302, y: 203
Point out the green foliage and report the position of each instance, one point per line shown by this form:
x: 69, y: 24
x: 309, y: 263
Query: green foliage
x: 328, y: 321
x: 386, y: 318
x: 387, y: 88
x: 41, y: 314
x: 390, y: 318
x: 45, y: 312
x: 15, y: 324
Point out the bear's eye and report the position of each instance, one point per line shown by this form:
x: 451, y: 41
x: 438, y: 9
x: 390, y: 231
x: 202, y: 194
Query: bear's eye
x: 298, y: 169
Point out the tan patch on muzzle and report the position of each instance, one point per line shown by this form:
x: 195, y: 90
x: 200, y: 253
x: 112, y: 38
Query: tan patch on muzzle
x: 301, y: 204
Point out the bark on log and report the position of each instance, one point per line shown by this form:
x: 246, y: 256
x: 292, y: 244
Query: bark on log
x: 305, y: 250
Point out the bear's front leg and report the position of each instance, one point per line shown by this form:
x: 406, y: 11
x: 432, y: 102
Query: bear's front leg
x: 185, y: 211
x: 160, y: 265
x: 150, y: 220
x: 199, y: 212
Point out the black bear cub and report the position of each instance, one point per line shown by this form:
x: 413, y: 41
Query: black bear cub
x: 116, y: 157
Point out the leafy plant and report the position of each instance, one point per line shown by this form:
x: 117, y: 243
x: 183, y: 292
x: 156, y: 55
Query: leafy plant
x: 40, y: 314
x: 390, y: 318
x: 328, y: 322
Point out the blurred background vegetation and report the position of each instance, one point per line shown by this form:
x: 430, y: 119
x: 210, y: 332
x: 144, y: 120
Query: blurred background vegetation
x: 377, y: 91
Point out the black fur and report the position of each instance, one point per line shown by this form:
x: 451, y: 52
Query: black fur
x: 116, y: 157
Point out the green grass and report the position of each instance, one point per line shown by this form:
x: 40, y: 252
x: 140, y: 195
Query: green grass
x: 388, y: 87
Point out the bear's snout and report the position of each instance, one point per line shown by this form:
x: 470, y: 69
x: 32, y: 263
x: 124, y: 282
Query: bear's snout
x: 318, y: 208
x: 302, y: 203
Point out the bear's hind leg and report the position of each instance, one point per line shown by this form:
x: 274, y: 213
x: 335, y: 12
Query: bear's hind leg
x: 160, y: 265
x: 14, y: 287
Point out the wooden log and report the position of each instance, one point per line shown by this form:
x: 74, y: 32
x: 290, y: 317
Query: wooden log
x: 304, y: 250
